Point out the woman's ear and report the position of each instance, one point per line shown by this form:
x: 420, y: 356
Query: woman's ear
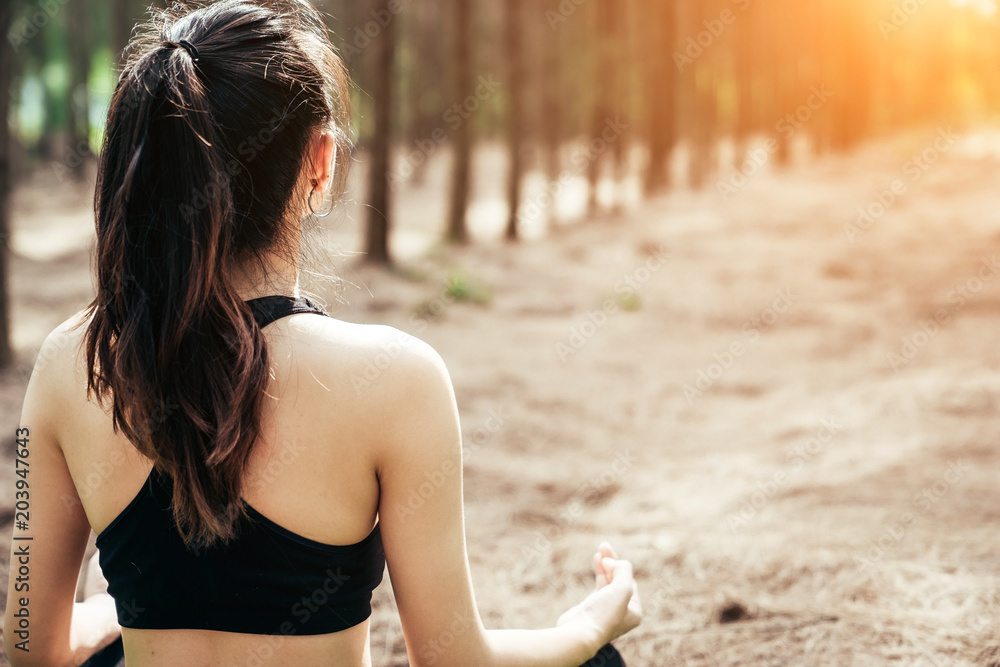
x: 323, y: 160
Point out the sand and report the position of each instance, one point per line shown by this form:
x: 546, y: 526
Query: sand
x: 782, y: 412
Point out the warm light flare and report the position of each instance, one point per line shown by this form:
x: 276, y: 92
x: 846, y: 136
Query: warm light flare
x: 984, y: 7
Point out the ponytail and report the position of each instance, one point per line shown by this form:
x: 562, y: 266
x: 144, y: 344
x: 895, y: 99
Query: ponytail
x: 170, y: 341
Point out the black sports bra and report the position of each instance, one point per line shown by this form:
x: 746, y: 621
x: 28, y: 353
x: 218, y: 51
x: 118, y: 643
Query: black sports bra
x: 268, y: 580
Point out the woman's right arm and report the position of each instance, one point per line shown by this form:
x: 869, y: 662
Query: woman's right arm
x: 419, y: 465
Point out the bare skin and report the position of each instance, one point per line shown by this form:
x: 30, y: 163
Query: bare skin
x: 335, y: 457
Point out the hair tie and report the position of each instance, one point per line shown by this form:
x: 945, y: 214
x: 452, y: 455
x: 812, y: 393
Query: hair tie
x: 189, y: 47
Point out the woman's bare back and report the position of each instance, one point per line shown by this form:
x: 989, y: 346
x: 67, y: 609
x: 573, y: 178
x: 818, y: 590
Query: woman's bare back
x: 311, y: 472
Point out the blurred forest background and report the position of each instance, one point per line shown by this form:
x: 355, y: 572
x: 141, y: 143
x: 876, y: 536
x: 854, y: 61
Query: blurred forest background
x: 559, y: 83
x: 715, y: 280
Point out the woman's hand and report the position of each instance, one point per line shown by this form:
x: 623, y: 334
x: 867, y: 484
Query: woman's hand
x: 94, y: 582
x: 95, y: 621
x: 614, y: 607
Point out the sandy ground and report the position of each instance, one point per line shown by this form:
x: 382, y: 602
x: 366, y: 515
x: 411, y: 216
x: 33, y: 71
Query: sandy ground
x: 786, y: 417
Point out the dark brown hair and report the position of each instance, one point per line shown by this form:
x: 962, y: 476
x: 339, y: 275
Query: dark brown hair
x: 208, y: 131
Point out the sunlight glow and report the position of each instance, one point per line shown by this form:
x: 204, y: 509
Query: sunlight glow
x: 984, y: 7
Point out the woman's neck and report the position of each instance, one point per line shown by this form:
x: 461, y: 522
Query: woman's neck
x: 281, y: 277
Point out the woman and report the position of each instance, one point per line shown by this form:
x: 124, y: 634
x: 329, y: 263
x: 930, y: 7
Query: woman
x: 200, y: 416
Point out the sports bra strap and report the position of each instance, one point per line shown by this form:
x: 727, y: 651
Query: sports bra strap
x: 267, y: 309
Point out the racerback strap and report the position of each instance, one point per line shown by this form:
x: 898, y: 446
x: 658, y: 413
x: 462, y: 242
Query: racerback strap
x: 267, y: 309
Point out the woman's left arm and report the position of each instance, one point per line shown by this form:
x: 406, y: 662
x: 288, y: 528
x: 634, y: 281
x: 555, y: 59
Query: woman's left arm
x: 43, y: 625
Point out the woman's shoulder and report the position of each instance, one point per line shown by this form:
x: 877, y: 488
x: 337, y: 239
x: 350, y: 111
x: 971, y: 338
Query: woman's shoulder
x: 59, y: 356
x: 56, y: 386
x: 391, y: 383
x: 373, y: 351
x: 374, y: 358
x: 376, y: 363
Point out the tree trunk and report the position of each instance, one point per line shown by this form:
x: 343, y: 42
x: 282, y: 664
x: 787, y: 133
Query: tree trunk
x: 552, y: 79
x: 785, y: 70
x: 515, y: 120
x: 661, y: 93
x: 617, y: 62
x: 122, y: 21
x: 746, y: 46
x: 608, y: 91
x: 699, y: 81
x: 379, y: 200
x: 417, y: 80
x: 6, y: 74
x: 860, y: 57
x: 827, y: 46
x: 78, y: 98
x: 462, y: 137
